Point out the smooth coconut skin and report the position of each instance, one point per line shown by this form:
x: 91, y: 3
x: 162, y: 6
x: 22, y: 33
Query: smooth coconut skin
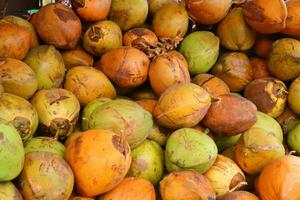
x: 294, y: 96
x: 292, y: 26
x: 239, y: 195
x: 77, y: 57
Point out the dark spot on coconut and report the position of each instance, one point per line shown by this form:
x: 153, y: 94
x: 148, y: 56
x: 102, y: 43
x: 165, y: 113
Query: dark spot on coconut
x: 57, y: 100
x: 1, y: 136
x: 119, y: 144
x: 96, y: 33
x: 22, y: 125
x: 78, y: 4
x: 139, y: 32
x: 140, y: 163
x: 258, y: 12
x: 2, y: 60
x: 65, y: 15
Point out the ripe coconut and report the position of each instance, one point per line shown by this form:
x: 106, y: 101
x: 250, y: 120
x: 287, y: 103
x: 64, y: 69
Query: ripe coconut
x: 186, y: 185
x: 14, y: 41
x: 212, y: 84
x: 154, y: 5
x: 285, y: 52
x: 172, y: 111
x: 225, y: 176
x: 173, y: 16
x: 48, y: 65
x: 239, y: 195
x: 8, y: 191
x: 256, y: 149
x: 292, y: 26
x: 45, y: 175
x: 58, y: 111
x: 235, y: 70
x: 259, y: 68
x: 63, y: 26
x: 140, y: 36
x: 268, y: 94
x: 100, y: 160
x: 288, y: 120
x: 208, y: 11
x: 147, y: 162
x: 263, y: 46
x: 20, y: 113
x: 12, y: 152
x: 280, y: 179
x: 131, y: 189
x: 143, y: 93
x: 127, y: 67
x: 102, y: 37
x: 88, y: 84
x: 230, y: 115
x: 147, y: 104
x: 17, y: 77
x: 265, y: 16
x: 76, y: 57
x: 91, y: 10
x: 294, y: 96
x: 128, y: 13
x: 201, y: 50
x: 239, y: 38
x: 199, y: 155
x: 166, y: 70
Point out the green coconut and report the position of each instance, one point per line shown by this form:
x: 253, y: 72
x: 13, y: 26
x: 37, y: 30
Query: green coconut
x: 147, y: 162
x: 48, y: 65
x: 285, y: 52
x: 89, y: 109
x: 45, y: 176
x: 157, y: 135
x: 20, y: 113
x: 154, y: 5
x: 45, y: 144
x: 224, y: 142
x: 294, y: 96
x: 123, y: 117
x: 12, y: 152
x: 201, y: 50
x: 8, y: 191
x: 269, y: 124
x: 189, y: 149
x: 293, y: 139
x: 128, y: 13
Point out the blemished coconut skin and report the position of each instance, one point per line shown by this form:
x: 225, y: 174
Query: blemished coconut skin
x: 230, y: 115
x: 186, y: 185
x: 9, y: 191
x: 136, y: 35
x: 288, y: 120
x: 12, y: 152
x: 132, y: 189
x: 169, y: 113
x: 266, y: 16
x: 18, y: 78
x: 268, y: 94
x: 86, y: 154
x: 20, y: 113
x: 42, y: 168
x: 280, y: 179
x: 63, y: 26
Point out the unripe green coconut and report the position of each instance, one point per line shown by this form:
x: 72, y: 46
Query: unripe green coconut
x: 8, y: 191
x: 293, y: 139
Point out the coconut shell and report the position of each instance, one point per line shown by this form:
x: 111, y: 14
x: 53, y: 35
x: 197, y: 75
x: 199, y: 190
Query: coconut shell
x: 14, y: 41
x: 77, y: 57
x: 235, y: 70
x: 208, y: 11
x: 63, y: 26
x: 91, y: 10
x: 292, y: 21
x: 154, y: 5
x: 186, y: 185
x: 268, y: 94
x: 166, y: 70
x: 127, y: 67
x: 263, y: 46
x: 265, y: 16
x: 259, y: 68
x: 239, y: 195
x: 230, y: 115
x: 294, y: 96
x: 280, y: 179
x: 172, y: 111
x: 100, y: 160
x: 147, y: 104
x: 158, y: 135
x: 135, y: 36
x: 288, y: 120
x: 293, y: 138
x: 9, y: 191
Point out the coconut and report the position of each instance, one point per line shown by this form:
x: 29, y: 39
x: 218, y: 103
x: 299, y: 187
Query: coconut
x: 147, y: 162
x: 268, y: 94
x: 294, y: 96
x: 292, y: 27
x: 239, y: 195
x: 259, y: 68
x: 129, y: 13
x: 8, y: 191
x: 143, y: 93
x: 293, y: 139
x: 102, y: 37
x: 263, y: 46
x: 77, y: 57
x: 17, y: 77
x: 285, y: 52
x: 186, y: 185
x: 12, y: 152
x: 224, y: 142
x: 147, y: 104
x: 173, y: 111
x: 42, y: 168
x: 201, y: 50
x: 48, y: 65
x: 256, y: 149
x: 158, y: 135
x: 241, y: 37
x: 58, y: 111
x: 140, y: 36
x: 20, y: 113
x: 58, y: 25
x: 288, y: 120
x: 88, y: 84
x: 199, y: 155
x: 155, y: 5
x: 235, y: 70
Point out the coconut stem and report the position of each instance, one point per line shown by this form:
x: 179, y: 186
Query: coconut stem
x: 241, y: 184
